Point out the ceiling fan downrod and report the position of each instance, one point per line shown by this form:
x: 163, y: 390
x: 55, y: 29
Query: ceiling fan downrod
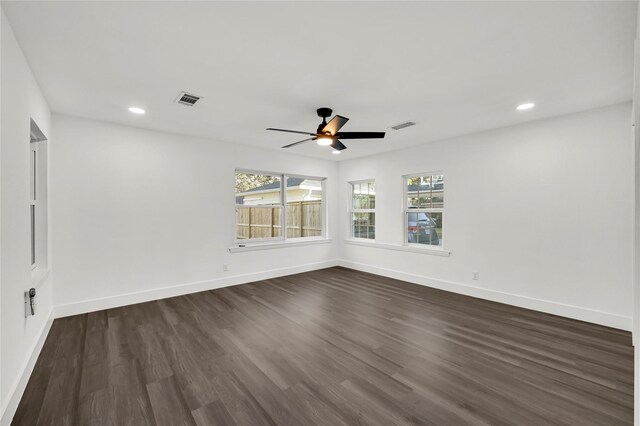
x: 323, y: 113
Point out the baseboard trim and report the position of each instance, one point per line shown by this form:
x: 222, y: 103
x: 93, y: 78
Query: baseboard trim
x: 99, y: 304
x: 546, y: 306
x: 15, y: 394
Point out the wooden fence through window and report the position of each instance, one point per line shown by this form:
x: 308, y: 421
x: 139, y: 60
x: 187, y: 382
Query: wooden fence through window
x: 304, y: 219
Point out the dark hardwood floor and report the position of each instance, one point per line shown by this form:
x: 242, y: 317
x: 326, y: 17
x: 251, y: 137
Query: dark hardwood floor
x: 332, y: 347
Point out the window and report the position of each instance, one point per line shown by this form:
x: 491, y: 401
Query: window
x: 258, y: 206
x: 363, y: 209
x: 267, y: 203
x: 38, y: 241
x: 33, y: 203
x: 424, y: 209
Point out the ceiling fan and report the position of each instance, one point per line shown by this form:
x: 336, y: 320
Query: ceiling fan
x: 329, y: 133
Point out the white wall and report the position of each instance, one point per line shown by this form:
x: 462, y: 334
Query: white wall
x: 523, y: 209
x: 21, y: 100
x: 137, y: 212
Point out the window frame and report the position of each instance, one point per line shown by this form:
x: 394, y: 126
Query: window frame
x: 406, y: 210
x: 283, y: 209
x: 38, y: 215
x: 33, y: 204
x: 351, y: 210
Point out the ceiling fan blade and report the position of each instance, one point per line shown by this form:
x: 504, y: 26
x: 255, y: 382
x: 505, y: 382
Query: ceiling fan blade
x: 335, y: 124
x: 296, y: 143
x: 360, y: 135
x: 337, y: 145
x: 291, y: 131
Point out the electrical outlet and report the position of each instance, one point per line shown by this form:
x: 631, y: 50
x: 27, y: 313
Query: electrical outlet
x: 225, y: 267
x: 476, y: 275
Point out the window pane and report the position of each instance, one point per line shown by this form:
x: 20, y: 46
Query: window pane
x: 437, y: 191
x: 257, y: 190
x: 258, y: 222
x: 356, y: 194
x: 424, y: 228
x: 363, y: 225
x: 33, y: 175
x: 33, y: 233
x: 364, y: 195
x: 372, y: 195
x: 425, y: 192
x: 304, y: 207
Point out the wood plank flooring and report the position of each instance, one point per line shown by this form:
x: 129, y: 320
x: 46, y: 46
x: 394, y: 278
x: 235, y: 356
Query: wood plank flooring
x: 329, y: 347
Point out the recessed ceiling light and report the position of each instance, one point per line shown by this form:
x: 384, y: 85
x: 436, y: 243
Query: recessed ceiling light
x: 335, y: 151
x: 523, y: 107
x: 136, y: 110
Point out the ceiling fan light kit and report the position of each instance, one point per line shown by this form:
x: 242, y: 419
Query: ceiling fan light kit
x: 328, y: 134
x: 324, y: 140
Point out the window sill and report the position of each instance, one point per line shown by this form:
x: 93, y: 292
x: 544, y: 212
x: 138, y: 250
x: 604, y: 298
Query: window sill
x: 422, y: 250
x: 38, y: 276
x: 281, y: 244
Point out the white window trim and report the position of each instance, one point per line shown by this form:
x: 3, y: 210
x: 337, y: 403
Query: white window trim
x: 405, y: 210
x: 351, y: 210
x: 291, y: 242
x: 244, y: 244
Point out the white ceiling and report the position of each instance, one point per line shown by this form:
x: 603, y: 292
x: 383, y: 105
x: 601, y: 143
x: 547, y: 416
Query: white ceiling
x: 453, y: 67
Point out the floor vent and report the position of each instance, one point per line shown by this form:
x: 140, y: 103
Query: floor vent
x: 403, y: 125
x: 188, y: 99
